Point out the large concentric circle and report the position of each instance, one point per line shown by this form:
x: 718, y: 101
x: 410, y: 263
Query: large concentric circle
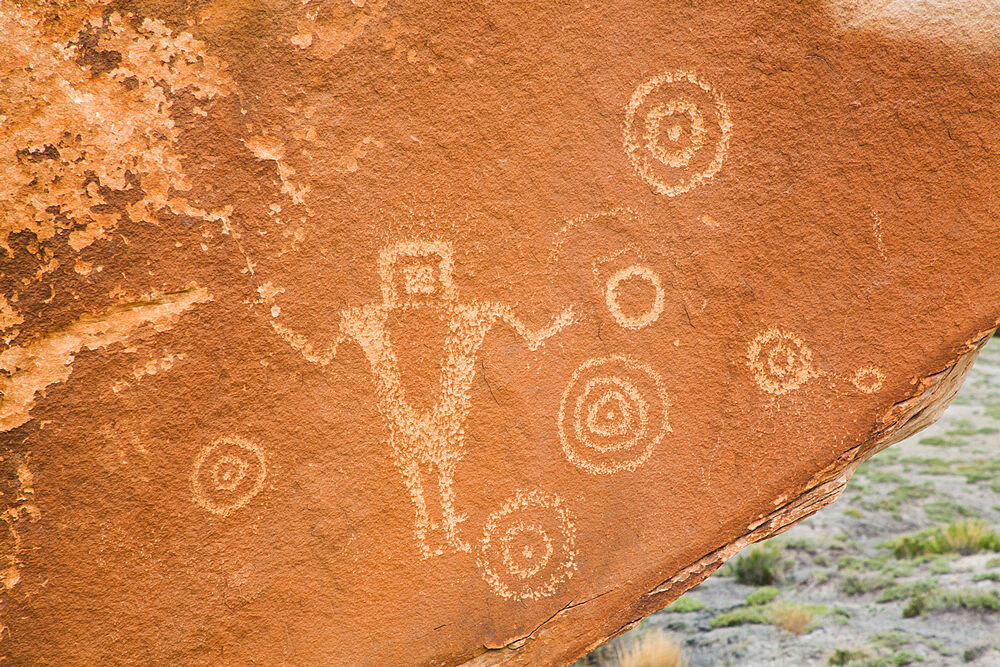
x: 528, y: 546
x: 227, y: 474
x: 613, y: 413
x: 677, y: 131
x: 779, y: 361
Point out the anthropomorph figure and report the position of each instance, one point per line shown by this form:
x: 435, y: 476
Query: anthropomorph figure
x: 420, y: 275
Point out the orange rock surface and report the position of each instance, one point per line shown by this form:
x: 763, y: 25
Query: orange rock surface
x: 366, y: 332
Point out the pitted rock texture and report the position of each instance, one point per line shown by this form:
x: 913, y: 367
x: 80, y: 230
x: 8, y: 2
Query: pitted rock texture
x: 364, y: 332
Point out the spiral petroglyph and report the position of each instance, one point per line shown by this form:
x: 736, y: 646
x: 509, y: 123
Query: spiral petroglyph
x: 227, y: 474
x: 613, y: 413
x: 677, y: 132
x: 528, y: 546
x: 779, y: 361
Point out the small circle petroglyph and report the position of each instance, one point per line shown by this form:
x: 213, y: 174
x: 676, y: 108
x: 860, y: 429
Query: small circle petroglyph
x: 868, y: 380
x: 613, y: 413
x: 643, y: 319
x: 677, y: 132
x: 779, y: 361
x: 528, y: 546
x: 227, y: 474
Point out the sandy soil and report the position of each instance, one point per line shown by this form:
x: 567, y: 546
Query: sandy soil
x: 837, y: 568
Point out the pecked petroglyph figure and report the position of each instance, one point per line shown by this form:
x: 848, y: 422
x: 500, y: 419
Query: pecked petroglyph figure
x: 420, y: 275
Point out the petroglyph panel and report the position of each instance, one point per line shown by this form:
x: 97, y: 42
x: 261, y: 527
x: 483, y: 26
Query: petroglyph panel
x: 407, y: 313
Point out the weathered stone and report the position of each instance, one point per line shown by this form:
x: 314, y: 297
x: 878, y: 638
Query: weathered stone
x: 359, y: 332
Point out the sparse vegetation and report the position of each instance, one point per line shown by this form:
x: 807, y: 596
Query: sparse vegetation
x: 843, y: 657
x: 795, y: 618
x: 685, y: 604
x: 741, y: 616
x: 762, y: 596
x: 939, y: 441
x: 963, y: 537
x: 974, y: 652
x: 946, y: 510
x: 651, y: 649
x: 792, y: 618
x: 952, y: 600
x: 856, y: 585
x: 762, y: 565
x: 904, y: 591
x: 840, y: 615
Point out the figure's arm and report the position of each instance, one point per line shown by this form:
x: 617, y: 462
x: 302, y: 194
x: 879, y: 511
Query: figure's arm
x: 301, y: 344
x: 535, y: 337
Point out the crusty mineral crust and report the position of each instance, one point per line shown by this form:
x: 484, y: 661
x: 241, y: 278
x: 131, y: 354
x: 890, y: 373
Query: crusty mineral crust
x: 365, y: 332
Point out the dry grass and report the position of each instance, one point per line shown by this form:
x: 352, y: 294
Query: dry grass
x: 794, y: 619
x: 652, y: 649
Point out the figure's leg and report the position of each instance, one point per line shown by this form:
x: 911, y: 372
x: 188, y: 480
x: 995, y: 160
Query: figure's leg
x: 446, y: 475
x: 411, y: 477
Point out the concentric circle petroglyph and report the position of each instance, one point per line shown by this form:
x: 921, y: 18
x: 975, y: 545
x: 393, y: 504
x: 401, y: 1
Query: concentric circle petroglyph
x: 677, y: 132
x: 868, y: 380
x: 611, y: 297
x: 227, y: 474
x: 779, y: 361
x: 613, y: 413
x: 528, y: 546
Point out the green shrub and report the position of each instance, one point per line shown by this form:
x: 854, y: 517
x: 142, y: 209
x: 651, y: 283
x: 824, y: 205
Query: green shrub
x: 883, y: 477
x: 964, y: 537
x: 792, y: 617
x: 685, y: 604
x: 762, y: 596
x: 855, y: 585
x: 843, y: 657
x: 760, y: 566
x: 908, y: 492
x: 944, y: 600
x: 938, y: 441
x: 946, y: 510
x: 841, y: 616
x: 741, y: 616
x: 969, y: 429
x: 904, y: 591
x: 906, y: 658
x: 974, y: 652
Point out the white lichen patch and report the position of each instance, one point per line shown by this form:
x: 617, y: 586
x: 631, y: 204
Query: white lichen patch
x: 93, y: 114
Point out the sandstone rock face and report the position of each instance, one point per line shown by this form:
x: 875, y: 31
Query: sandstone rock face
x: 365, y: 332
